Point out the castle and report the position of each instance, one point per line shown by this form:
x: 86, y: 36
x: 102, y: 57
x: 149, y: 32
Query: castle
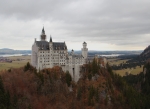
x: 49, y: 54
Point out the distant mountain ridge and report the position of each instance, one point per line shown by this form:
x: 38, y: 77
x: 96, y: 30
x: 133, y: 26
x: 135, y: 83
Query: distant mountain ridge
x: 11, y: 51
x: 6, y: 49
x: 146, y: 52
x: 90, y: 52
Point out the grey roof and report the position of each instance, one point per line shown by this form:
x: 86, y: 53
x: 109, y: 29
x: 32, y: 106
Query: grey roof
x: 84, y: 42
x: 44, y: 45
x: 59, y: 46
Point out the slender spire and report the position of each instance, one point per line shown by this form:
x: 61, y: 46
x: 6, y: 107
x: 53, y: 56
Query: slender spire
x: 43, y: 31
x: 43, y: 36
x: 50, y: 39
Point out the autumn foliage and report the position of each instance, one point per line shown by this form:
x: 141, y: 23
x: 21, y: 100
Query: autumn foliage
x: 35, y: 90
x: 27, y: 88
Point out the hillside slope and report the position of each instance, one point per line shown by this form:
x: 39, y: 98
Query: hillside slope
x: 98, y: 87
x: 146, y: 52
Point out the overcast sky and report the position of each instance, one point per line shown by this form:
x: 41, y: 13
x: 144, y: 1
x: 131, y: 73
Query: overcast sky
x: 103, y: 24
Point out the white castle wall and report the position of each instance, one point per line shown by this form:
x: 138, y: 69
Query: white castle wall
x: 34, y: 56
x: 49, y: 58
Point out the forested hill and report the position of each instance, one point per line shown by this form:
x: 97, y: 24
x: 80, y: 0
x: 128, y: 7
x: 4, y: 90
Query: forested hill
x: 98, y: 88
x: 146, y: 52
x: 141, y: 83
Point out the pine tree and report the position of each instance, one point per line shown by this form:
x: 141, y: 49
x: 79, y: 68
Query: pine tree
x: 68, y: 78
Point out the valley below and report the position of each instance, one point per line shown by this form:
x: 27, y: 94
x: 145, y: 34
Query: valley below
x: 13, y: 62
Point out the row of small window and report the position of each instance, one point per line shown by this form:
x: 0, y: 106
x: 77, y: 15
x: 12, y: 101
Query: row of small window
x: 59, y: 48
x: 51, y: 55
x: 44, y: 52
x: 61, y: 63
x: 78, y: 58
x: 62, y: 54
x: 62, y: 60
x: 44, y: 58
x: 54, y: 52
x: 46, y: 64
x: 52, y: 61
x: 75, y: 60
x: 74, y: 63
x: 44, y: 61
x: 59, y: 51
x: 46, y: 55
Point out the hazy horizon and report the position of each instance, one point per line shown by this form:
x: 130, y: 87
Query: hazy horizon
x: 79, y: 50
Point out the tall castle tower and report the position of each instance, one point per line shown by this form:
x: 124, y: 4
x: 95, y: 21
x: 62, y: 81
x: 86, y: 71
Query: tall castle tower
x: 43, y: 36
x: 84, y: 50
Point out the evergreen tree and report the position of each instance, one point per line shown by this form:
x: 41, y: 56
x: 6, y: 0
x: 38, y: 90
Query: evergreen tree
x: 79, y: 92
x: 4, y: 97
x: 68, y: 78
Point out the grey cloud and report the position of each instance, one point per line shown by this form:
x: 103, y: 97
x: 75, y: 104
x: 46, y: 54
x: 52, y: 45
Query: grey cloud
x: 119, y: 22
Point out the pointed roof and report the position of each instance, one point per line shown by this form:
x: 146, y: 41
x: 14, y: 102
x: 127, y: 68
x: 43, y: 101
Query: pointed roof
x: 43, y: 36
x: 43, y: 31
x: 50, y: 39
x: 84, y: 42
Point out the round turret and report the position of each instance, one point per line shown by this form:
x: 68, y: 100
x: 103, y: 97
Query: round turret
x: 72, y: 52
x: 84, y: 50
x: 84, y: 44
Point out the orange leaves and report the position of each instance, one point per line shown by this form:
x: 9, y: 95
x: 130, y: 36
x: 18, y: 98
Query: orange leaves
x: 47, y: 89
